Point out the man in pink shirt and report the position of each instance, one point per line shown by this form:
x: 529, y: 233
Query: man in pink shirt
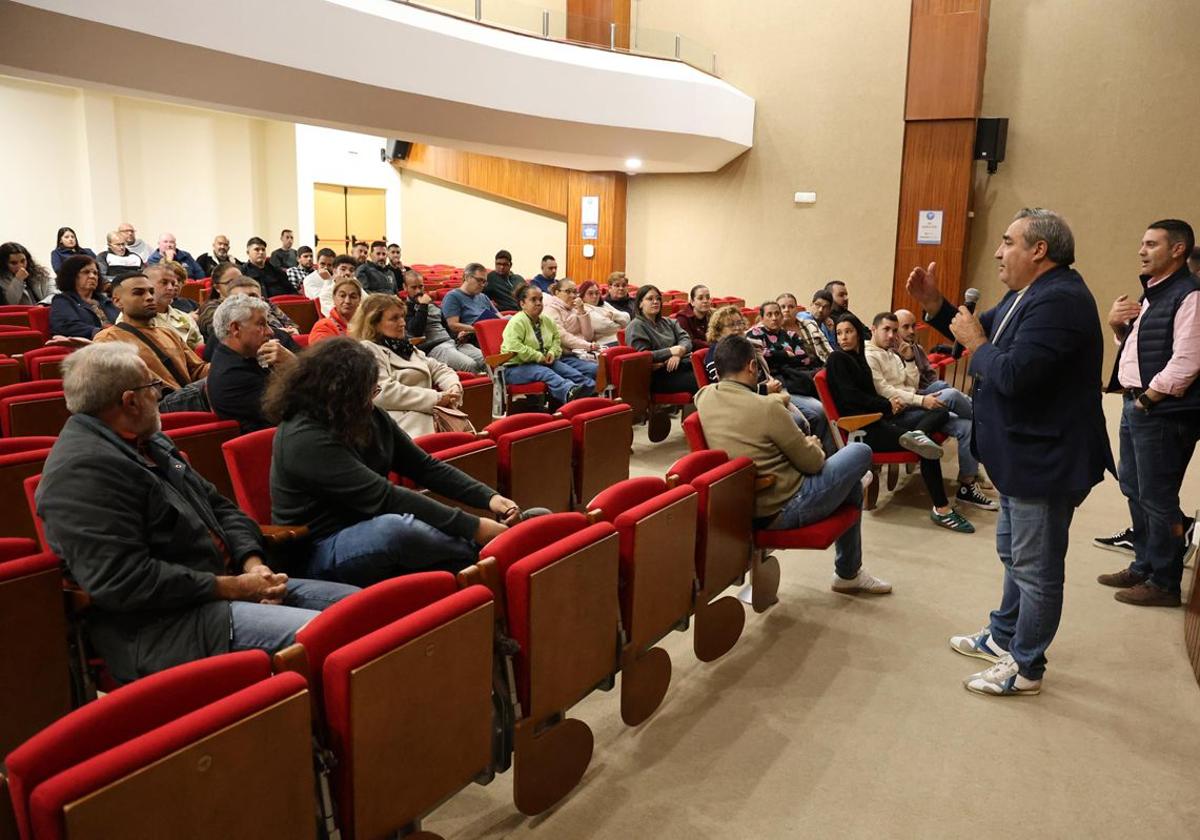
x: 1156, y: 370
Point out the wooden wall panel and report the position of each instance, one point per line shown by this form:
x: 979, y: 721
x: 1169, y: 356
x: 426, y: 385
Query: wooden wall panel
x: 947, y: 48
x: 536, y: 185
x: 936, y: 175
x: 588, y: 21
x: 610, y: 243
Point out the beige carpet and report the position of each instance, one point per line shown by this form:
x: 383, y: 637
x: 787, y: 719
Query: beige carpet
x: 844, y: 717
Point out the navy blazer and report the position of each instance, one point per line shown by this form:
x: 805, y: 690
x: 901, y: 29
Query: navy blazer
x: 70, y: 316
x: 1039, y: 424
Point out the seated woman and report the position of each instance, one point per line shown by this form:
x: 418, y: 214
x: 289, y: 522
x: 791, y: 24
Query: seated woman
x: 410, y: 383
x: 67, y: 246
x: 668, y: 344
x: 788, y: 362
x: 117, y: 259
x: 79, y: 310
x: 347, y: 293
x: 332, y: 454
x: 565, y: 308
x: 22, y: 280
x: 853, y: 390
x: 537, y: 352
x: 606, y: 319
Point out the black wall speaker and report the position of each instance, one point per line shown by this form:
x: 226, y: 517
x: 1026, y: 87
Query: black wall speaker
x: 991, y: 138
x: 398, y: 149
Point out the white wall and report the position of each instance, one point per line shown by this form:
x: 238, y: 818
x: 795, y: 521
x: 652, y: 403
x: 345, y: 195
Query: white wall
x: 329, y: 156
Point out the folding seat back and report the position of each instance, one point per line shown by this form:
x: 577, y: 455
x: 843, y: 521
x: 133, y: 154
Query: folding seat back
x: 300, y: 309
x: 248, y: 458
x: 45, y: 362
x: 15, y: 315
x: 846, y: 428
x: 476, y: 456
x: 31, y: 485
x: 170, y: 755
x: 694, y: 432
x: 534, y: 452
x: 16, y: 340
x: 184, y: 419
x: 203, y: 447
x: 558, y: 579
x: 602, y: 439
x: 33, y: 408
x: 195, y: 290
x: 10, y: 371
x: 490, y: 335
x: 15, y: 467
x: 33, y: 647
x: 477, y: 398
x: 657, y: 527
x: 629, y: 377
x: 403, y: 671
x: 698, y: 370
x: 9, y: 446
x: 39, y: 320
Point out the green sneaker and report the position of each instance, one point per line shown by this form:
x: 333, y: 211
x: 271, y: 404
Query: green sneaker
x: 952, y: 520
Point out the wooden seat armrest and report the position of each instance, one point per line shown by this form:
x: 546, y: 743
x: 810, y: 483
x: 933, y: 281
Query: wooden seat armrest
x: 762, y: 482
x: 280, y: 535
x: 858, y: 421
x: 77, y: 600
x: 496, y: 360
x: 292, y: 658
x: 483, y: 573
x: 594, y: 516
x: 673, y: 481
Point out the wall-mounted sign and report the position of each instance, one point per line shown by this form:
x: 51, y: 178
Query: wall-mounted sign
x: 929, y: 227
x: 591, y: 231
x: 589, y: 210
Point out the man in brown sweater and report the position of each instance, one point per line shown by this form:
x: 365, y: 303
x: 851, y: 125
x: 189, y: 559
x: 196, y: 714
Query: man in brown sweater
x: 808, y: 487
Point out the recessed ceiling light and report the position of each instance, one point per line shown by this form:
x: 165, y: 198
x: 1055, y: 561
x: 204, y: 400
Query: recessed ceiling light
x: 633, y: 163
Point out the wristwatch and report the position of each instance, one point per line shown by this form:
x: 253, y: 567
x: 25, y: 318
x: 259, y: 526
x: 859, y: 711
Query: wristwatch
x: 1145, y: 402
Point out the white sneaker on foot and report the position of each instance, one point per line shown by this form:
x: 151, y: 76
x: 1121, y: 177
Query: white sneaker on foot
x: 981, y: 646
x: 1002, y: 680
x: 864, y: 581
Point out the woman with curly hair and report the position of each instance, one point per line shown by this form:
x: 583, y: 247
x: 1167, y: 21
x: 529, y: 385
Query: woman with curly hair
x: 22, y: 280
x: 80, y: 310
x: 329, y: 470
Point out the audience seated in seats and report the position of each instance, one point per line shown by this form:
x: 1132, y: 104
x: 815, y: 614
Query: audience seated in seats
x: 161, y: 348
x: 302, y: 268
x: 788, y: 363
x: 137, y: 246
x: 329, y: 470
x: 606, y: 319
x: 347, y: 295
x: 819, y: 314
x: 548, y: 275
x: 318, y: 285
x: 617, y: 295
x: 396, y: 265
x: 807, y: 485
x: 694, y: 317
x: 80, y: 310
x: 285, y: 256
x: 373, y: 275
x: 467, y: 304
x: 410, y: 383
x: 22, y: 280
x: 668, y: 344
x: 425, y: 320
x: 67, y: 246
x: 273, y: 281
x: 896, y: 378
x: 282, y: 328
x: 537, y: 352
x: 565, y: 308
x: 912, y: 352
x: 359, y: 252
x: 853, y: 390
x: 841, y: 298
x: 219, y: 254
x: 245, y: 358
x: 168, y: 250
x: 223, y: 275
x: 166, y: 294
x: 178, y: 573
x: 816, y: 344
x: 502, y: 283
x: 117, y: 259
x: 181, y: 303
x: 789, y: 308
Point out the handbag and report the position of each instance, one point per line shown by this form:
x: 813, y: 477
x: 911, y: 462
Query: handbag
x: 451, y: 420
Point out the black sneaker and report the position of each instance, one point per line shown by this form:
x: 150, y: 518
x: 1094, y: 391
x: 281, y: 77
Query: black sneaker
x: 970, y: 494
x: 1120, y: 541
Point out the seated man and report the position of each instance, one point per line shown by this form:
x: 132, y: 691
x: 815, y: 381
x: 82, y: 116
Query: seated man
x: 282, y: 327
x: 911, y: 351
x: 302, y: 268
x: 468, y: 304
x: 818, y: 315
x: 219, y: 254
x: 373, y: 275
x: 161, y: 348
x: 319, y: 284
x: 272, y: 279
x: 170, y: 252
x: 897, y: 379
x: 243, y: 361
x: 425, y: 320
x: 808, y: 486
x: 548, y: 275
x: 285, y: 256
x: 501, y: 285
x: 175, y: 571
x: 166, y: 292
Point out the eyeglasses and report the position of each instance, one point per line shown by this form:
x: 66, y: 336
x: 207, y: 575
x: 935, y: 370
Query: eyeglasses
x: 156, y: 383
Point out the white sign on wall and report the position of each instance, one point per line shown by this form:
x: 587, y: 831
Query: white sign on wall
x: 929, y: 227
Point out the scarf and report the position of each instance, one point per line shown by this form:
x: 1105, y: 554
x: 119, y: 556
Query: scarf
x: 402, y: 347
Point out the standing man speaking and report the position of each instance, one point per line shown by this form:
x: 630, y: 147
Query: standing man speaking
x: 1039, y: 428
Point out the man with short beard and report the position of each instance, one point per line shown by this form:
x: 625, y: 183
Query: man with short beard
x: 219, y: 254
x: 302, y: 268
x: 272, y: 279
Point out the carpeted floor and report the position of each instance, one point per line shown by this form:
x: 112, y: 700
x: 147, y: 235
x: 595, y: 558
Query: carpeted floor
x: 844, y: 717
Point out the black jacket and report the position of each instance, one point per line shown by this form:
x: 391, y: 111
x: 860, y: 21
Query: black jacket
x: 851, y: 385
x: 376, y: 280
x: 235, y: 388
x: 273, y: 280
x: 138, y: 539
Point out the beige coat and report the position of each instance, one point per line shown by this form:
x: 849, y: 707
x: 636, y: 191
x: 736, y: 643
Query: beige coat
x: 408, y: 390
x: 893, y: 376
x: 574, y: 329
x: 740, y: 421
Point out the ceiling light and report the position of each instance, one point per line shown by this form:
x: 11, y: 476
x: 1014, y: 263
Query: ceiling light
x: 633, y: 163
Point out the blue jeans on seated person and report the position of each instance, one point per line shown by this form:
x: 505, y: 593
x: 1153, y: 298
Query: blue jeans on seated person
x: 934, y: 386
x: 959, y: 428
x: 566, y: 373
x: 386, y: 546
x: 818, y: 423
x: 272, y: 627
x: 839, y: 482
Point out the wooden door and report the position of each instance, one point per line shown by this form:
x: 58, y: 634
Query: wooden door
x: 366, y: 215
x: 329, y: 217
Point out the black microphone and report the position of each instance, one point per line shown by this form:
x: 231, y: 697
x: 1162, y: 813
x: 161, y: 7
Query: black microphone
x: 970, y: 298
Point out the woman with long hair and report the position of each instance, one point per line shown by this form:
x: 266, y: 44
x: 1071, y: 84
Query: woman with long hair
x: 22, y: 280
x: 788, y: 362
x: 67, y: 246
x: 80, y: 310
x: 537, y: 353
x: 668, y: 344
x: 606, y: 319
x: 853, y: 390
x: 332, y: 455
x: 411, y: 385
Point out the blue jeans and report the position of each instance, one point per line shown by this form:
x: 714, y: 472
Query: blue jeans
x: 464, y: 357
x: 934, y: 386
x: 272, y: 627
x: 1031, y: 539
x: 959, y: 427
x: 389, y: 545
x: 566, y: 373
x: 839, y: 482
x: 818, y: 423
x: 1155, y: 451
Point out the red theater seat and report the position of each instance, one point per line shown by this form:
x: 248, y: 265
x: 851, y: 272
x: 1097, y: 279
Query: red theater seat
x: 477, y: 398
x: 16, y: 340
x: 202, y: 444
x: 628, y: 373
x: 45, y: 362
x: 476, y: 456
x: 490, y: 334
x: 601, y: 440
x: 16, y: 466
x: 534, y: 453
x: 248, y: 459
x: 300, y: 309
x: 33, y: 408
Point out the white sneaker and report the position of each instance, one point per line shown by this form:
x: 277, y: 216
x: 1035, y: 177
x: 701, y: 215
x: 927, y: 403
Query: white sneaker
x: 864, y: 581
x: 868, y: 477
x: 981, y: 646
x: 921, y: 444
x: 1002, y: 680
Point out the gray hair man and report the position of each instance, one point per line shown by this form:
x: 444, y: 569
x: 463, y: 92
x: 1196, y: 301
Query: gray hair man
x: 243, y: 360
x: 179, y: 574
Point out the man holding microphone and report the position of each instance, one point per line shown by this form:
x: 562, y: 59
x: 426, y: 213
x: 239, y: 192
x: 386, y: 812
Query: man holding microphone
x: 1039, y: 428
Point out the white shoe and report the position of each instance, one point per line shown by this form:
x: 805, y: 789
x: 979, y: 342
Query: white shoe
x: 868, y: 477
x: 921, y: 444
x: 864, y: 581
x: 981, y: 646
x: 1002, y: 680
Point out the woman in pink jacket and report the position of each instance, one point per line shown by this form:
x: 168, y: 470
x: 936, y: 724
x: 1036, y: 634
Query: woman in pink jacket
x: 565, y: 308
